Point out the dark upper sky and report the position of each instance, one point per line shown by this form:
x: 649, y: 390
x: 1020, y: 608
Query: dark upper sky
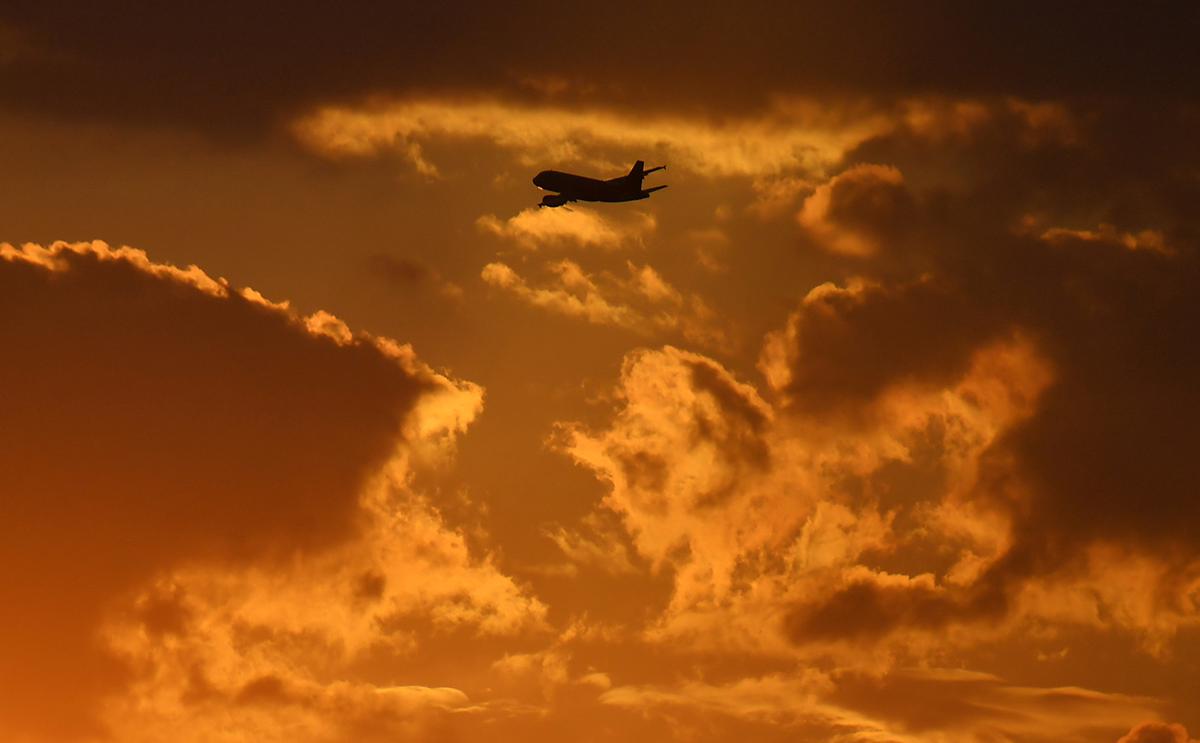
x: 234, y: 69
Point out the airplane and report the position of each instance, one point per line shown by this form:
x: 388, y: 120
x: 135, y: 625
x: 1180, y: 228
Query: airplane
x: 571, y: 187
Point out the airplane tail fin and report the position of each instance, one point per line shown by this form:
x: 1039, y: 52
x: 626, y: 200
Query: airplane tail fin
x: 638, y: 171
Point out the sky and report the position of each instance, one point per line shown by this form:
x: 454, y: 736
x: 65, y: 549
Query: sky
x: 877, y: 426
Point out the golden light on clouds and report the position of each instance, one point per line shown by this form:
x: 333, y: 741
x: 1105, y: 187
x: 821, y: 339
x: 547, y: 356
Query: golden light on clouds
x: 534, y: 229
x: 795, y: 135
x: 876, y: 426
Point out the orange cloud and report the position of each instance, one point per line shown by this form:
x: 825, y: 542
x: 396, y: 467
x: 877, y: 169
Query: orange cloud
x: 770, y: 524
x: 543, y: 228
x: 643, y: 301
x: 572, y: 293
x: 792, y: 136
x: 913, y: 706
x: 1151, y: 240
x: 280, y: 650
x: 857, y: 209
x: 163, y: 422
x: 1157, y: 732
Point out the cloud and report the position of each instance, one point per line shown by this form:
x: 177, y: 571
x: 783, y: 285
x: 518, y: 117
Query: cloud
x: 952, y: 704
x: 794, y: 135
x: 775, y: 699
x: 1156, y: 732
x: 976, y: 430
x: 572, y: 293
x: 973, y: 268
x: 1151, y: 240
x: 868, y: 604
x: 785, y: 148
x: 642, y: 301
x: 847, y: 344
x: 534, y: 229
x: 157, y: 421
x: 857, y: 209
x: 709, y: 245
x: 275, y: 710
x: 969, y: 445
x: 407, y: 272
x: 902, y: 707
x: 774, y: 196
x: 280, y: 650
x: 599, y: 546
x: 398, y: 270
x: 769, y: 523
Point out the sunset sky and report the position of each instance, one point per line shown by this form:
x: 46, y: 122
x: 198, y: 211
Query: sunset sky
x: 881, y: 424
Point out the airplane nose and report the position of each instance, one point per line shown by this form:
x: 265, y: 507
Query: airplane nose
x: 540, y: 179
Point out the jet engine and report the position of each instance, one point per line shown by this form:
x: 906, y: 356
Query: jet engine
x: 553, y: 199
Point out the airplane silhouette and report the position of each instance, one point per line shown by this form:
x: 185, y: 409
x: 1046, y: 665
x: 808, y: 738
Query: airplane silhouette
x: 571, y: 187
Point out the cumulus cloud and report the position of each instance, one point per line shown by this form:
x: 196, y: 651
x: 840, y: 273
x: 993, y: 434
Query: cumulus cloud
x: 857, y: 209
x: 572, y: 292
x: 536, y: 228
x: 847, y: 344
x: 280, y: 650
x: 968, y: 274
x: 969, y: 414
x: 641, y: 301
x: 288, y: 421
x: 768, y: 522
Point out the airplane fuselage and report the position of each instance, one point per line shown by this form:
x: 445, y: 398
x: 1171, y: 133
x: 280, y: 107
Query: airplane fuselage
x: 582, y: 188
x: 568, y: 187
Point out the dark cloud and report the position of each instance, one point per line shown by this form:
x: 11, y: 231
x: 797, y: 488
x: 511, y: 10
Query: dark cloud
x: 1105, y: 456
x: 738, y: 431
x: 149, y: 423
x: 849, y: 345
x: 869, y: 201
x: 867, y: 610
x: 237, y: 68
x: 858, y: 209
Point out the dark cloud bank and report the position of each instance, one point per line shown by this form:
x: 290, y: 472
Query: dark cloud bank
x: 147, y: 424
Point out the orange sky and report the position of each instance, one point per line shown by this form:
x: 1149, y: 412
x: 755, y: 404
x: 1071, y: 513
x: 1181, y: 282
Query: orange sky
x: 876, y: 426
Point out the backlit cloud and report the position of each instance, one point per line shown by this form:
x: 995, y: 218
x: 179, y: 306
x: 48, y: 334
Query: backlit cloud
x: 855, y: 210
x: 918, y: 706
x: 212, y: 512
x: 535, y: 228
x: 1157, y: 732
x: 795, y: 135
x: 875, y: 427
x: 640, y: 301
